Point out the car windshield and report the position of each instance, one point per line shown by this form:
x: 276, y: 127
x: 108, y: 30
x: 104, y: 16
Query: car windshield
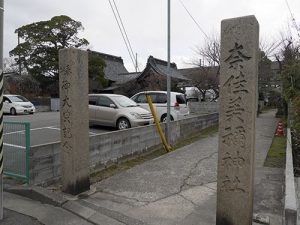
x: 123, y: 101
x: 17, y: 98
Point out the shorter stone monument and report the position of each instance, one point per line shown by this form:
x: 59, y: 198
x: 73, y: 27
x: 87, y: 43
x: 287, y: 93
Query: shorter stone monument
x: 74, y: 120
x: 238, y: 103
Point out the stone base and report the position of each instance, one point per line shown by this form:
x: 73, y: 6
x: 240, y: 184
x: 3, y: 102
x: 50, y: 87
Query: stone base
x: 78, y: 187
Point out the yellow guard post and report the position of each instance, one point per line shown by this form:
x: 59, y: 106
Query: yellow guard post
x: 162, y: 136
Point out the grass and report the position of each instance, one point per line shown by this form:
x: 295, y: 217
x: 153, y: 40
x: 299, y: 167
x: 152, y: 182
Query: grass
x: 137, y: 160
x: 276, y: 153
x: 268, y: 108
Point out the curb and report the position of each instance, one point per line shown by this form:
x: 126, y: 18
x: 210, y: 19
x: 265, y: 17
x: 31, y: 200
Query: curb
x: 38, y: 194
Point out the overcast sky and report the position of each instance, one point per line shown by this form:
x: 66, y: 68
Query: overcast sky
x: 146, y: 23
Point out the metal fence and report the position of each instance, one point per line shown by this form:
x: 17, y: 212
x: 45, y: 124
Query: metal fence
x: 16, y: 144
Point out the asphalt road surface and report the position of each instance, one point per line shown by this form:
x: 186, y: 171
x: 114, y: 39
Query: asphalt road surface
x: 44, y: 128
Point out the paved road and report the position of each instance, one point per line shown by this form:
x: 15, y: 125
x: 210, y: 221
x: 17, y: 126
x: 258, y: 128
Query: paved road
x: 178, y: 188
x: 44, y: 127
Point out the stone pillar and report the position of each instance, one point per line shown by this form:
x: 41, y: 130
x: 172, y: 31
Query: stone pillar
x: 238, y: 104
x: 74, y: 120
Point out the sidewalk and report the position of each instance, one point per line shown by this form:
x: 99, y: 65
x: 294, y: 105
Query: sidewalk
x: 269, y: 182
x: 178, y: 188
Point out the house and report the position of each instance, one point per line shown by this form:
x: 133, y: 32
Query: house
x: 114, y: 67
x: 153, y: 77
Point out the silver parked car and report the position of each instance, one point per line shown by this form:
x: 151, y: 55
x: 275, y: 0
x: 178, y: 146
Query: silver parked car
x: 117, y: 111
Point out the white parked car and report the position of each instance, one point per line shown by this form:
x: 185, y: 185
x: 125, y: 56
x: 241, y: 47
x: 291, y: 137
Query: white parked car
x: 178, y: 106
x: 16, y: 104
x: 117, y: 111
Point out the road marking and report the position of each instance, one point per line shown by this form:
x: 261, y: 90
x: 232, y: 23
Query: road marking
x: 15, y: 132
x: 40, y: 128
x: 53, y: 128
x: 22, y: 131
x: 16, y: 146
x: 56, y: 128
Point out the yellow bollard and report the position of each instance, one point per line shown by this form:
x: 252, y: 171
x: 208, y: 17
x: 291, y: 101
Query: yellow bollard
x: 167, y: 147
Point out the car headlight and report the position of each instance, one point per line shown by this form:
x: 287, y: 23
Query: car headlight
x: 136, y: 115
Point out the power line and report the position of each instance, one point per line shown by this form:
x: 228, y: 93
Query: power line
x: 128, y: 41
x: 197, y: 24
x: 123, y: 36
x: 293, y: 18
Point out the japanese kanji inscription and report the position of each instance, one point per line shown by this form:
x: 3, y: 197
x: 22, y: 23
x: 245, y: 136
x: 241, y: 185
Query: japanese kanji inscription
x: 238, y: 88
x: 73, y: 78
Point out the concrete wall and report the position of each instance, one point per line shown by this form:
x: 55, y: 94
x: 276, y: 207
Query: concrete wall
x: 108, y: 148
x: 55, y: 104
x: 203, y: 107
x: 290, y: 204
x: 42, y: 104
x: 42, y: 108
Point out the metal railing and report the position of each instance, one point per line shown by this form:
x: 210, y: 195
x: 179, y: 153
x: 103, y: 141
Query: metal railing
x: 16, y: 144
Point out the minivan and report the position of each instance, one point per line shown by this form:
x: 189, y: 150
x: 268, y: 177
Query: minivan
x: 16, y: 104
x: 178, y: 106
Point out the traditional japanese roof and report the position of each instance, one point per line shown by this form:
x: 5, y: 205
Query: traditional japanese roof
x: 158, y: 65
x: 125, y: 77
x: 161, y: 67
x: 114, y: 66
x: 195, y: 71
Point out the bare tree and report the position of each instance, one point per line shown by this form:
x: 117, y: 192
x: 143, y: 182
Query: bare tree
x: 208, y: 61
x: 209, y: 53
x: 205, y: 76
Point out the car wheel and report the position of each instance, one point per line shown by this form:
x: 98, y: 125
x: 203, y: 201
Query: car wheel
x: 13, y: 111
x: 123, y: 123
x: 164, y: 118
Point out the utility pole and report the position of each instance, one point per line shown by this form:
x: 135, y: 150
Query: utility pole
x: 20, y: 68
x: 136, y: 63
x: 1, y: 109
x: 168, y: 75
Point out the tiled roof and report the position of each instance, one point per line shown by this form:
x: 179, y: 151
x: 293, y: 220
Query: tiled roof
x: 161, y: 67
x: 158, y: 65
x: 191, y: 73
x: 125, y: 77
x: 116, y: 71
x: 114, y: 66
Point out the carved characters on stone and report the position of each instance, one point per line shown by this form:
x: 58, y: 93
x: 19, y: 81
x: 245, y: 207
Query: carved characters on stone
x: 232, y: 184
x: 66, y: 108
x: 234, y: 133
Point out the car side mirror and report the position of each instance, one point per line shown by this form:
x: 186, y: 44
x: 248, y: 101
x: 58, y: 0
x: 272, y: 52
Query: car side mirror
x: 112, y: 106
x: 6, y: 101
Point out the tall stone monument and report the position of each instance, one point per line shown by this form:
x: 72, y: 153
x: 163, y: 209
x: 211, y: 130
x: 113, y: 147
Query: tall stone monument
x: 238, y: 103
x: 74, y: 120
